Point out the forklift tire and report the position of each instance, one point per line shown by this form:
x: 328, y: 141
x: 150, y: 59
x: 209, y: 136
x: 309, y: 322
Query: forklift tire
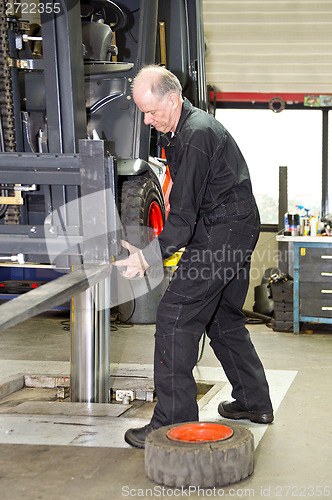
x: 199, y: 463
x: 142, y: 209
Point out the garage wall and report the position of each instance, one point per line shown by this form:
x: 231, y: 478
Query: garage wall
x: 269, y: 45
x: 265, y: 256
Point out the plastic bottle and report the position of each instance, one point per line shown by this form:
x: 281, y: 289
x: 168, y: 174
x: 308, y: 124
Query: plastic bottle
x: 319, y: 222
x: 313, y: 225
x: 286, y: 223
x: 306, y: 223
x: 302, y: 214
x: 293, y: 223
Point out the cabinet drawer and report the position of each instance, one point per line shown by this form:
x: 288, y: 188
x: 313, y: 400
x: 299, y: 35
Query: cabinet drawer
x: 316, y: 308
x: 317, y: 291
x: 310, y: 255
x: 315, y: 264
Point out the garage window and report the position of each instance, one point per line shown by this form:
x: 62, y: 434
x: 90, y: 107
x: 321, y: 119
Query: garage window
x: 292, y: 138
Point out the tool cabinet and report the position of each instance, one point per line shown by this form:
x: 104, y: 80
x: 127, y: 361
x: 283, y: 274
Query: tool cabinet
x: 312, y: 273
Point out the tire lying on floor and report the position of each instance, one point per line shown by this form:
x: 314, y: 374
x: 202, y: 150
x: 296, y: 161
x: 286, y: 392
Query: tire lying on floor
x: 200, y: 454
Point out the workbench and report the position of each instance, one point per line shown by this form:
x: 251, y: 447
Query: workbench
x: 312, y: 274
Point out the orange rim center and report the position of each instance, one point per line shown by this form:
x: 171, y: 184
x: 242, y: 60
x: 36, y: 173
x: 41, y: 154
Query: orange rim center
x: 155, y: 219
x: 200, y: 432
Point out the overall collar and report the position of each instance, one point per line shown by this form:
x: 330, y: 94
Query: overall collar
x: 187, y: 107
x: 186, y: 110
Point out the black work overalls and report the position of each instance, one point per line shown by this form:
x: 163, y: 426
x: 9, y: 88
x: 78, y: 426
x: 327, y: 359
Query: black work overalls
x: 214, y: 215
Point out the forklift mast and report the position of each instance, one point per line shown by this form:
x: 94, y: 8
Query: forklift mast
x: 70, y: 77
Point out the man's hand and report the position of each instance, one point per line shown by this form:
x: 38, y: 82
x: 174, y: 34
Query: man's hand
x: 135, y: 263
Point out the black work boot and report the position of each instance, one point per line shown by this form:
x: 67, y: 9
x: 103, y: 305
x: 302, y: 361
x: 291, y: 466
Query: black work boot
x: 136, y: 437
x: 235, y: 411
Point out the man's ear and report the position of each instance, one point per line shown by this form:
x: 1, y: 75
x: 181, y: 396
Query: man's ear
x: 174, y: 100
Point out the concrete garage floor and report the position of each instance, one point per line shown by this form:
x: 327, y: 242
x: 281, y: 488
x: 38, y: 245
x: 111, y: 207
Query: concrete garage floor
x: 76, y: 456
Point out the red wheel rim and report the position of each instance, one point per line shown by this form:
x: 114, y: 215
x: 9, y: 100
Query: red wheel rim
x: 155, y: 219
x: 200, y: 432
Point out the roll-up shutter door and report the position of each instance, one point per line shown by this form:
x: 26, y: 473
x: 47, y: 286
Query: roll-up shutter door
x: 269, y: 45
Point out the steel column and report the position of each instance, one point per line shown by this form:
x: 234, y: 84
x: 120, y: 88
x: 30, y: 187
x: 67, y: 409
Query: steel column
x: 90, y: 349
x: 90, y: 312
x: 282, y: 209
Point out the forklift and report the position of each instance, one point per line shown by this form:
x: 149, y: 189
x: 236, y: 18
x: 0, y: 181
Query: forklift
x: 69, y: 128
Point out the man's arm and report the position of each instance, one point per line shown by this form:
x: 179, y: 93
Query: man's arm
x: 185, y: 199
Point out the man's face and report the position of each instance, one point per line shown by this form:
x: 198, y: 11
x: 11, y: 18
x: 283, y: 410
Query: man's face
x: 158, y: 112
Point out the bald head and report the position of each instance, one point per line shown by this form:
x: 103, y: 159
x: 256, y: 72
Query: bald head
x: 157, y: 93
x: 160, y: 80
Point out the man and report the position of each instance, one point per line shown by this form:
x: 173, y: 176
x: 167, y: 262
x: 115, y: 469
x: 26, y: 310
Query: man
x: 214, y: 216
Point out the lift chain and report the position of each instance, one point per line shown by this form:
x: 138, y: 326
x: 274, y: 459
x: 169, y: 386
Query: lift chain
x: 7, y: 124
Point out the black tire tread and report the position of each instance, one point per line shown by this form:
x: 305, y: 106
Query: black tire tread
x: 204, y: 465
x: 134, y: 199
